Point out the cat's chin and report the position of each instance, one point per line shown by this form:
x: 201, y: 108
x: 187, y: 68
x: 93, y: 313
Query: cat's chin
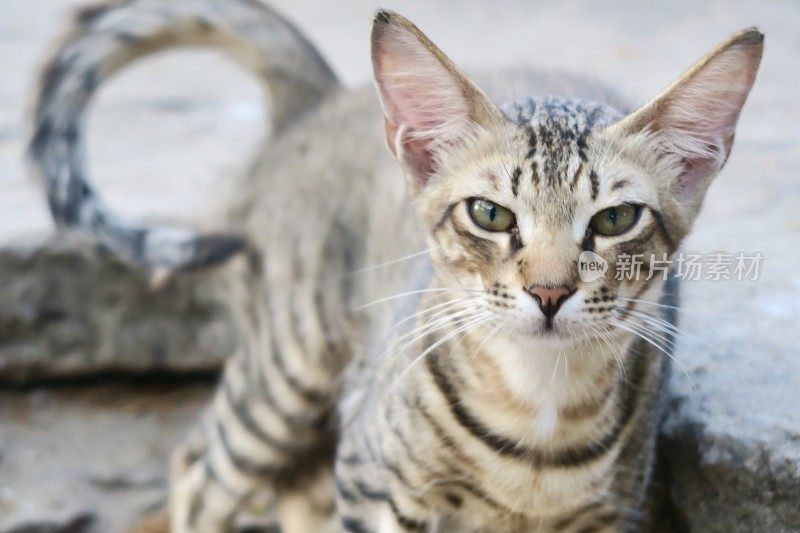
x: 555, y: 334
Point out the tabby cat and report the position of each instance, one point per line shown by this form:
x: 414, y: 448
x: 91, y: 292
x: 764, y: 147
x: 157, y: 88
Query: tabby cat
x: 480, y: 384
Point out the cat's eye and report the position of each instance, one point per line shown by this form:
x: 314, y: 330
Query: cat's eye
x: 615, y: 220
x: 490, y: 216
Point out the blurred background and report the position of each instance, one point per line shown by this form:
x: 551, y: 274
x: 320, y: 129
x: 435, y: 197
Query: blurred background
x: 100, y: 376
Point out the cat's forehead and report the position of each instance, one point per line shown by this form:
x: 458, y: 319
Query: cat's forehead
x: 561, y: 114
x: 558, y: 127
x: 552, y: 141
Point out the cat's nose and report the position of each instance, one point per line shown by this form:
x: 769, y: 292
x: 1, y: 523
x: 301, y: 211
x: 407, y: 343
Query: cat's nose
x: 550, y: 298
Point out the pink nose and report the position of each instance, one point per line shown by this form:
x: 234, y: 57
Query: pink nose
x: 550, y: 298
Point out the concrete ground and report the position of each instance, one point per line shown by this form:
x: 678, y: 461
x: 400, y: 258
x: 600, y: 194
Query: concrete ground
x: 165, y: 134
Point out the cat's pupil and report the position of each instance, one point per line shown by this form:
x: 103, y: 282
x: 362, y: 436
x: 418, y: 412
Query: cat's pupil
x: 612, y: 216
x: 492, y: 213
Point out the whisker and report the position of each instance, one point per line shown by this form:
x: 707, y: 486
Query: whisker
x: 393, y: 261
x: 419, y: 291
x: 464, y: 327
x: 693, y: 320
x: 555, y: 369
x: 455, y: 345
x: 433, y: 325
x: 656, y: 321
x: 670, y: 342
x: 650, y: 302
x: 644, y: 335
x: 440, y: 321
x: 449, y: 304
x: 629, y: 327
x: 615, y: 350
x: 590, y: 340
x: 486, y: 339
x: 669, y: 329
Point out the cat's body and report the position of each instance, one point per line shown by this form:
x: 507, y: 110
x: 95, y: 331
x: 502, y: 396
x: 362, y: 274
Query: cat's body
x: 349, y: 203
x: 451, y: 402
x: 554, y: 449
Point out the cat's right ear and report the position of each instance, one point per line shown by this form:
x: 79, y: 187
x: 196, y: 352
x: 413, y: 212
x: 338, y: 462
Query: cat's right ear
x: 428, y: 104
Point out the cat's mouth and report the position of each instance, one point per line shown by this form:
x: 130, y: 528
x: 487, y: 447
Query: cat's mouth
x: 556, y: 329
x: 550, y: 328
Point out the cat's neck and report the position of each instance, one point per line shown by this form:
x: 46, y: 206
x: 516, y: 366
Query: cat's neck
x: 538, y: 380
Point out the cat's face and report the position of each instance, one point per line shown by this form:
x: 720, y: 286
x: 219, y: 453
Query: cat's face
x: 516, y: 200
x: 550, y: 184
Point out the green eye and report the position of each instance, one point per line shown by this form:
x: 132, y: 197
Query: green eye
x: 490, y: 216
x: 615, y: 220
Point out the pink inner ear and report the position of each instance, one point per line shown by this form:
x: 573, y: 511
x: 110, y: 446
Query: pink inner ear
x: 698, y: 118
x: 413, y: 151
x: 697, y: 168
x: 690, y: 181
x: 423, y: 101
x: 420, y: 158
x: 421, y: 98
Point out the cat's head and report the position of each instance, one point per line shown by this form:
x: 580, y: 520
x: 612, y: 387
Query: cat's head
x: 512, y: 198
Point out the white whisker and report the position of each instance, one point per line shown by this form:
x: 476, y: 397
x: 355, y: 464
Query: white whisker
x: 394, y: 261
x: 677, y: 311
x: 432, y: 325
x: 645, y: 335
x: 485, y: 340
x: 669, y: 342
x: 605, y: 336
x: 419, y: 291
x: 464, y: 327
x: 555, y: 368
x: 448, y: 305
x: 656, y: 321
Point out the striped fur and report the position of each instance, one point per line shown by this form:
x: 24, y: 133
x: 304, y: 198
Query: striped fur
x: 429, y: 392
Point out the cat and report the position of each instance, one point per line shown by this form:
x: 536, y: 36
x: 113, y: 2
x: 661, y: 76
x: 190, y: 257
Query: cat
x: 419, y: 351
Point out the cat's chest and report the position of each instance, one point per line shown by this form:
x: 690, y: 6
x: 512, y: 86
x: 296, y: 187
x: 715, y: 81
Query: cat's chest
x: 518, y: 498
x: 517, y: 447
x: 529, y: 477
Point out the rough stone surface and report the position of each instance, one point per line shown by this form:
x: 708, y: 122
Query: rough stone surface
x: 67, y: 310
x: 166, y: 134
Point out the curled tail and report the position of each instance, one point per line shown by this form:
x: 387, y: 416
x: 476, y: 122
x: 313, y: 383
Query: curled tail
x: 110, y: 35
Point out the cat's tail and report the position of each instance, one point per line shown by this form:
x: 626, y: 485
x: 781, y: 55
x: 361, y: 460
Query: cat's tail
x: 106, y: 37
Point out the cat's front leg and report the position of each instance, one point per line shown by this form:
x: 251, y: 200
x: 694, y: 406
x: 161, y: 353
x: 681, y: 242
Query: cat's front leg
x: 598, y: 517
x: 205, y: 492
x: 403, y: 513
x: 246, y: 443
x: 369, y: 503
x: 310, y: 509
x: 384, y: 517
x: 199, y: 501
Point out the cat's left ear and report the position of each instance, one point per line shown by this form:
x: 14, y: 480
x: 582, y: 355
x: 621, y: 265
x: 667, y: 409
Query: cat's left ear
x: 695, y: 118
x: 429, y: 105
